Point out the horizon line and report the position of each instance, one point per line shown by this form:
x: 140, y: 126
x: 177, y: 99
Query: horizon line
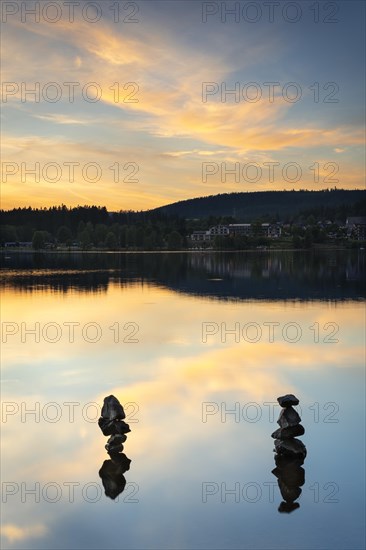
x: 327, y: 189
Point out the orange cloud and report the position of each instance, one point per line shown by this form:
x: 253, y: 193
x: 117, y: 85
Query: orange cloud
x: 15, y: 533
x: 169, y: 107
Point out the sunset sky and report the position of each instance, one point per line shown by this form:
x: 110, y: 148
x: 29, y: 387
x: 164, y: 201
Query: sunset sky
x: 152, y: 122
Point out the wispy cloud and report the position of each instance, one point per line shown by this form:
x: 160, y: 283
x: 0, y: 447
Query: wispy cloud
x: 62, y: 119
x: 169, y: 121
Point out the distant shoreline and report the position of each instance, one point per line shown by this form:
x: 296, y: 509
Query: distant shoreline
x: 184, y: 250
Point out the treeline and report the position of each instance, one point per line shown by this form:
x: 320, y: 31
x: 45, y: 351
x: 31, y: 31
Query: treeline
x: 94, y: 226
x: 91, y: 226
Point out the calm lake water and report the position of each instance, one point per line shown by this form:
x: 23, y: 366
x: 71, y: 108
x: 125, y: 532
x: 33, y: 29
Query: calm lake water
x: 197, y: 347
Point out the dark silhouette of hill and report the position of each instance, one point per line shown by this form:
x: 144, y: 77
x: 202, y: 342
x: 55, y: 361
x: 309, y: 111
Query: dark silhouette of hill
x: 281, y: 205
x: 167, y: 227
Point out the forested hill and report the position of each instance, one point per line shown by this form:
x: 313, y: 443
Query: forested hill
x: 281, y: 205
x: 284, y: 206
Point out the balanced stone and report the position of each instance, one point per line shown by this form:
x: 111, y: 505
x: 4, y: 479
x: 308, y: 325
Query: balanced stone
x: 113, y: 449
x: 112, y: 409
x: 288, y: 417
x: 114, y: 443
x: 290, y: 447
x: 110, y: 427
x: 288, y: 400
x: 287, y: 433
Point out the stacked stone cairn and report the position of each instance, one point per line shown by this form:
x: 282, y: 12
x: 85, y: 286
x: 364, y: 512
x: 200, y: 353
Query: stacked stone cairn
x: 290, y: 453
x: 112, y: 423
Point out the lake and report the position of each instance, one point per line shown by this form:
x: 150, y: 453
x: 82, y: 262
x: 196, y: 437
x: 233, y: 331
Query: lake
x: 197, y: 347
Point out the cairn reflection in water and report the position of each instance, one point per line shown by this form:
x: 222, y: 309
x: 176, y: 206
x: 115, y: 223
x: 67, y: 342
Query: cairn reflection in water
x: 112, y: 472
x: 112, y: 423
x: 290, y: 454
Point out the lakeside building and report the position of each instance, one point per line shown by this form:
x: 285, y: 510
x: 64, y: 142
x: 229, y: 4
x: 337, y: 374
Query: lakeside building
x: 270, y: 230
x: 356, y: 225
x: 18, y: 244
x: 200, y: 236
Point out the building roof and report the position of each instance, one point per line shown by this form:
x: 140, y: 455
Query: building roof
x: 240, y: 224
x: 356, y: 220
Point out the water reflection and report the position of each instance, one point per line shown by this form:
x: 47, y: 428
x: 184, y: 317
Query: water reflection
x: 312, y: 275
x: 166, y: 378
x: 112, y: 423
x: 290, y: 478
x: 111, y: 473
x: 290, y: 454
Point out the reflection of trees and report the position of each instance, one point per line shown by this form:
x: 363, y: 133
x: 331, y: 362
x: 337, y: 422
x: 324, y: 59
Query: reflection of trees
x: 305, y: 275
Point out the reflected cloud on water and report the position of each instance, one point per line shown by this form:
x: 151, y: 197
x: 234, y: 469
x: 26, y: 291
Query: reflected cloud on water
x: 169, y: 378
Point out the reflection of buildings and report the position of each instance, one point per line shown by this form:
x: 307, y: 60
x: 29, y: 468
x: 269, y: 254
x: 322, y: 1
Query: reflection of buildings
x: 236, y: 267
x: 355, y: 270
x: 271, y: 275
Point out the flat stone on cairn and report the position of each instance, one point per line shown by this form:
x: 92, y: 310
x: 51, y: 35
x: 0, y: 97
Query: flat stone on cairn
x: 288, y: 400
x: 114, y: 443
x: 287, y: 433
x: 283, y: 461
x: 110, y: 427
x: 288, y: 418
x: 290, y: 447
